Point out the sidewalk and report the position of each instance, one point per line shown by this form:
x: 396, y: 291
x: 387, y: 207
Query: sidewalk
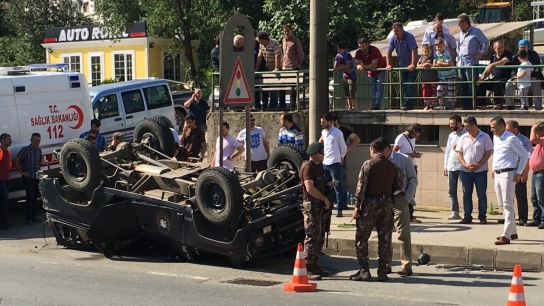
x: 448, y: 242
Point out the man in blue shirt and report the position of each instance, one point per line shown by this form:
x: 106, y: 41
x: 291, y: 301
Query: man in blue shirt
x: 405, y: 46
x: 28, y: 162
x: 199, y: 109
x: 95, y: 131
x: 472, y: 45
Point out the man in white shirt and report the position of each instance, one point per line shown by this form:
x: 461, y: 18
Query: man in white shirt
x: 335, y: 150
x: 452, y: 166
x: 231, y: 149
x: 259, y: 146
x: 509, y: 160
x: 473, y: 150
x: 429, y: 35
x: 406, y: 143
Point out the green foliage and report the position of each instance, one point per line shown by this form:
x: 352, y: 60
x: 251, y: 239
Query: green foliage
x: 28, y: 21
x: 523, y: 10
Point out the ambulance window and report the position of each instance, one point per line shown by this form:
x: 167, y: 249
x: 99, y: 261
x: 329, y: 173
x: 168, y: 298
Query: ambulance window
x: 106, y: 107
x: 157, y: 97
x: 133, y: 101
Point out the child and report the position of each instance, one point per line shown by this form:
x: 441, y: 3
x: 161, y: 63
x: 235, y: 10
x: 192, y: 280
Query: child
x: 443, y: 58
x: 428, y: 75
x: 344, y: 61
x: 523, y: 77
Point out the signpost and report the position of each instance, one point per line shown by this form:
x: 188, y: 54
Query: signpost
x: 236, y: 77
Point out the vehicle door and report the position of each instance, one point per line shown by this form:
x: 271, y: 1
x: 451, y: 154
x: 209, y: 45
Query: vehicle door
x: 159, y: 102
x: 107, y: 108
x: 134, y: 109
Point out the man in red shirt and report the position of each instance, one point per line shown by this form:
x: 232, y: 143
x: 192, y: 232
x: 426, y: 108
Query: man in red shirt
x: 366, y: 58
x: 536, y: 163
x: 5, y: 166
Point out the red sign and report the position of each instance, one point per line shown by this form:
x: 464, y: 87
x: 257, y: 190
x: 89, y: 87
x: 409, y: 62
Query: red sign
x: 238, y: 90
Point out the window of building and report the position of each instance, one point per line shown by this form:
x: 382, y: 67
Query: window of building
x: 123, y: 66
x: 85, y: 7
x: 73, y: 61
x: 133, y: 101
x: 157, y: 97
x: 96, y: 68
x: 106, y: 107
x: 173, y: 66
x: 368, y: 132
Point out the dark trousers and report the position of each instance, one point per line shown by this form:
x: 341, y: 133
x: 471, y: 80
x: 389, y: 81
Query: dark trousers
x: 4, y: 198
x: 496, y: 88
x: 32, y: 191
x: 259, y: 165
x: 261, y: 99
x: 293, y: 96
x: 521, y: 198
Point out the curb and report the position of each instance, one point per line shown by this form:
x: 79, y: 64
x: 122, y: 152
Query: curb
x: 449, y: 255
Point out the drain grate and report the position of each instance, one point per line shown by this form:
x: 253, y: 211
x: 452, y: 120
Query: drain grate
x: 252, y: 282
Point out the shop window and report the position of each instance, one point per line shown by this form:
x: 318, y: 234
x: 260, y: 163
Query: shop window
x: 73, y: 61
x: 96, y: 69
x: 157, y: 97
x: 173, y: 66
x: 132, y: 101
x: 123, y: 66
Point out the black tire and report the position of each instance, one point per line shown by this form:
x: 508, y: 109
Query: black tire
x: 80, y: 165
x: 156, y: 132
x: 219, y: 195
x: 289, y: 155
x: 165, y: 119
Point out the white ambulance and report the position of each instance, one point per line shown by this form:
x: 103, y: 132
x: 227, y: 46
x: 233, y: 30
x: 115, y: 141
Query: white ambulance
x: 53, y: 103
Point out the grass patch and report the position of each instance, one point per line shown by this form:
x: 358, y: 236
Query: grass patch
x: 346, y: 225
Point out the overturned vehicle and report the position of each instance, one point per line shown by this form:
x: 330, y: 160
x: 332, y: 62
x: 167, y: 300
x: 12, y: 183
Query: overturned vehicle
x: 107, y: 200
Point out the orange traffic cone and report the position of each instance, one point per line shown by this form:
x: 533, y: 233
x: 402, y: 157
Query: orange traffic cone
x: 517, y: 295
x: 299, y: 282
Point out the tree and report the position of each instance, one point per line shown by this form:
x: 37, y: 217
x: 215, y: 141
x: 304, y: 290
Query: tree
x: 28, y: 21
x: 183, y: 21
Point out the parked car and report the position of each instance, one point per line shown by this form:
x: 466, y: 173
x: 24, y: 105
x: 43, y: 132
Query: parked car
x: 538, y: 25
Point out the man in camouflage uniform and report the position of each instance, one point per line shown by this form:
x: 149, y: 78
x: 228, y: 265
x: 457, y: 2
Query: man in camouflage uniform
x: 315, y: 202
x: 378, y: 180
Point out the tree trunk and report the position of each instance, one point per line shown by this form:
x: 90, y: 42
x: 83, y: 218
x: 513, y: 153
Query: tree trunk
x: 187, y: 37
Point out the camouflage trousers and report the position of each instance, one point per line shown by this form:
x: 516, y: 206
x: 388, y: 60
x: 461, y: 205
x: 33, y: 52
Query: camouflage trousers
x: 314, y: 227
x: 375, y: 213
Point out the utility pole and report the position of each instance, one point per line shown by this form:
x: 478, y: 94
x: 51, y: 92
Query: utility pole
x: 319, y: 75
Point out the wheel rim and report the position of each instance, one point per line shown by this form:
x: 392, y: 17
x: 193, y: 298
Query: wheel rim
x: 179, y: 121
x: 151, y: 140
x: 77, y: 167
x: 215, y: 198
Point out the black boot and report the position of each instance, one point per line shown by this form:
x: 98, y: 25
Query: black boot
x: 313, y: 273
x: 362, y: 275
x: 382, y: 275
x: 320, y: 271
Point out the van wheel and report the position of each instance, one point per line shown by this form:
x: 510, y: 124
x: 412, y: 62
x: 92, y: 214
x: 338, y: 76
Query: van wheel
x: 219, y: 195
x: 288, y: 156
x: 155, y: 132
x: 80, y: 165
x: 165, y: 119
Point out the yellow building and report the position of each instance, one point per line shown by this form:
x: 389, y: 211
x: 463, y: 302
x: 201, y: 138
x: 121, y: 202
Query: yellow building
x: 94, y: 52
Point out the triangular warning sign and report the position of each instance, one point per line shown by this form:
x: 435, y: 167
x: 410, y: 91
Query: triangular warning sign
x: 238, y: 91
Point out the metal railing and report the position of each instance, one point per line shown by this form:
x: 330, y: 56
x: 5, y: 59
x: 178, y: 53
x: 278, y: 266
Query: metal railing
x: 394, y: 89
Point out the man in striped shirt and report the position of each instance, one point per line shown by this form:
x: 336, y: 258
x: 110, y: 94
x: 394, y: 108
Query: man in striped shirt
x: 289, y: 131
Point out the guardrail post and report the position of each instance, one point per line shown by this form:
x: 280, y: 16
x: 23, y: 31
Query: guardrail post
x: 401, y: 90
x: 297, y: 95
x: 473, y: 85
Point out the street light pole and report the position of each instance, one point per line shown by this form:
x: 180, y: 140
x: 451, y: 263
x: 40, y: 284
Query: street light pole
x: 319, y: 76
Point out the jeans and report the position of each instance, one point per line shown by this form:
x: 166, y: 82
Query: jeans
x: 334, y: 172
x: 31, y: 190
x: 453, y: 179
x: 408, y: 77
x: 4, y: 198
x: 466, y: 88
x: 376, y: 88
x: 521, y: 199
x: 468, y: 181
x: 537, y: 197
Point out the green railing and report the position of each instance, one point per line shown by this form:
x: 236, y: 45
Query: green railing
x: 394, y: 93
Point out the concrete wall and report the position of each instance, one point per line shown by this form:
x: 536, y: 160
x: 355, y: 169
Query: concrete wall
x: 433, y: 185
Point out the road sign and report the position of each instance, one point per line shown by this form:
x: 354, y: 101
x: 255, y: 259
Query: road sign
x: 237, y: 63
x: 238, y: 90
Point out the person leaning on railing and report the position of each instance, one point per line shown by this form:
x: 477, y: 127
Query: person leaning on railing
x: 500, y: 57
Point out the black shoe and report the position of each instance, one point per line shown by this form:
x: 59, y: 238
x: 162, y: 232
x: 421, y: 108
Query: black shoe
x: 541, y: 226
x: 361, y: 275
x: 509, y: 107
x: 500, y: 221
x: 532, y: 224
x: 522, y: 222
x: 465, y: 221
x: 339, y: 214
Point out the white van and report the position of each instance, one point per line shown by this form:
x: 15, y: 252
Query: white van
x: 54, y: 104
x: 121, y: 106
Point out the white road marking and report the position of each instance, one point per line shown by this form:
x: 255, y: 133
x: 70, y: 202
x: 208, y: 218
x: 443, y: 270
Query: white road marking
x: 178, y: 275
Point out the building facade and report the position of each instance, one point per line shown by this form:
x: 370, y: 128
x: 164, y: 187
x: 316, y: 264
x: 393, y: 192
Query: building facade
x: 93, y: 51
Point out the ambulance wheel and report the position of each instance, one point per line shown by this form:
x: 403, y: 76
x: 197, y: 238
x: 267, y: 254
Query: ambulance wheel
x: 155, y: 132
x: 288, y: 156
x: 80, y: 165
x: 219, y: 195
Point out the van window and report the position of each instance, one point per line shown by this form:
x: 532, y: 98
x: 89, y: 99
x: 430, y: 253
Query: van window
x: 106, y: 107
x: 133, y: 101
x: 157, y: 97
